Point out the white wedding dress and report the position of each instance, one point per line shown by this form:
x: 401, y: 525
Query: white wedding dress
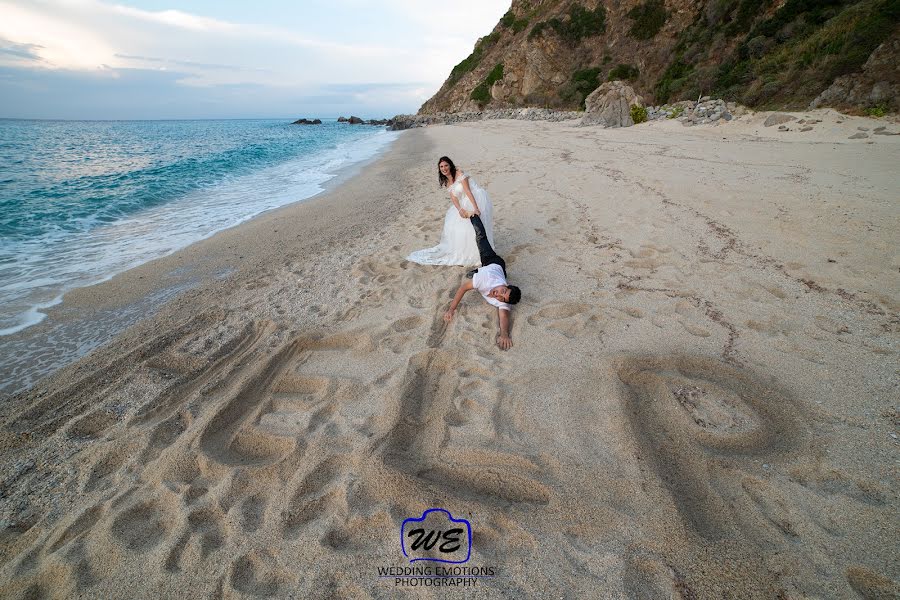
x: 458, y: 245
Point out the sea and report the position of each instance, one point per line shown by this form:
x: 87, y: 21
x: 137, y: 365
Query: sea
x: 81, y: 201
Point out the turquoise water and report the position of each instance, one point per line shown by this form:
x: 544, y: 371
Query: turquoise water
x: 83, y: 200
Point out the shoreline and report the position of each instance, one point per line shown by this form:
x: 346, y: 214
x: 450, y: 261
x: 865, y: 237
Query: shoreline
x: 140, y: 290
x: 703, y: 375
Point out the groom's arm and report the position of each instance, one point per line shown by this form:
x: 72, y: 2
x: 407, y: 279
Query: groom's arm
x: 504, y: 341
x: 465, y: 287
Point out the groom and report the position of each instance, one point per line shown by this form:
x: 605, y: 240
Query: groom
x: 490, y: 280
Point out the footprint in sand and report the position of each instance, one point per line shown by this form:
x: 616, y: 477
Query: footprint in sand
x: 203, y: 535
x: 142, y: 526
x: 870, y: 585
x: 567, y: 318
x: 258, y: 574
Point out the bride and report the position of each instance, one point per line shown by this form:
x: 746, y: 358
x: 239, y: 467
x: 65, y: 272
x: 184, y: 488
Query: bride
x: 458, y: 245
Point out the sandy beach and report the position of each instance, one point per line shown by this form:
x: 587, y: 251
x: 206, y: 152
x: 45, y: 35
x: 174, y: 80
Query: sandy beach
x: 701, y: 400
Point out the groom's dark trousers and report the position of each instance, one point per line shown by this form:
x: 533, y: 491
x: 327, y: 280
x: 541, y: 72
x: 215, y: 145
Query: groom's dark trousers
x: 488, y: 256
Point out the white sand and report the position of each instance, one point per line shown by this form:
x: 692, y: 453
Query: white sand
x: 701, y: 400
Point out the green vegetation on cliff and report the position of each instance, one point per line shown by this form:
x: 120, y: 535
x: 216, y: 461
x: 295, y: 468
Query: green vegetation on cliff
x: 784, y: 59
x: 582, y: 83
x: 623, y: 72
x: 473, y: 60
x: 510, y: 21
x: 482, y: 92
x: 648, y: 18
x: 582, y: 23
x: 762, y: 53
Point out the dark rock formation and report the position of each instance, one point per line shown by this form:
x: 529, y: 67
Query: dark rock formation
x: 358, y: 121
x: 307, y: 122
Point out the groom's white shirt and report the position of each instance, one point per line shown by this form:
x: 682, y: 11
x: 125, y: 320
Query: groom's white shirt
x: 487, y: 278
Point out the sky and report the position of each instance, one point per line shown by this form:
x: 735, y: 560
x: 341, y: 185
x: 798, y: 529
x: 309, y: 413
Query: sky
x: 145, y: 59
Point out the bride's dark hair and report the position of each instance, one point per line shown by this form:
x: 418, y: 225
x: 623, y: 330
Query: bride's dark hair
x: 442, y: 179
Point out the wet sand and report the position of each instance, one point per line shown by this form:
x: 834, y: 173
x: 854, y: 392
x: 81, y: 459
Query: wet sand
x: 701, y: 400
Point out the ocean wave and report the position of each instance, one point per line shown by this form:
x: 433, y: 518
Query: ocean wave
x: 67, y: 232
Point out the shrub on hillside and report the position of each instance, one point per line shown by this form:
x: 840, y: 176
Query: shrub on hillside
x: 580, y: 85
x: 510, y: 21
x: 623, y: 72
x: 638, y: 113
x: 648, y: 18
x: 581, y: 23
x: 470, y: 62
x: 482, y: 92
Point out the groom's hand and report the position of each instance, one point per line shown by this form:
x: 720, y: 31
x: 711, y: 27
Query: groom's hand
x: 448, y: 315
x: 504, y: 342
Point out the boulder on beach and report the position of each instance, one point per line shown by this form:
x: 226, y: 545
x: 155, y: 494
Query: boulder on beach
x: 778, y: 119
x: 610, y: 105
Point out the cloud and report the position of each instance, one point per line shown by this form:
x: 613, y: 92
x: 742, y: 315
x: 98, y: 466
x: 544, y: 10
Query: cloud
x: 58, y: 43
x: 400, y: 51
x: 27, y: 52
x: 188, y: 63
x: 117, y: 93
x: 177, y: 18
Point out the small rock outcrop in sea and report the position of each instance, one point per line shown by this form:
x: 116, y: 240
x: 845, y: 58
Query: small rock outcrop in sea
x: 358, y: 121
x: 610, y: 105
x: 307, y: 122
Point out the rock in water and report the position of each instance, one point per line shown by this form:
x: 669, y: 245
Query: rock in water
x: 355, y: 121
x: 610, y: 105
x: 778, y: 119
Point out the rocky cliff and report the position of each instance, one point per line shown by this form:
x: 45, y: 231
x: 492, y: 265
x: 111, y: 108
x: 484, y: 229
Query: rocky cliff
x: 762, y: 53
